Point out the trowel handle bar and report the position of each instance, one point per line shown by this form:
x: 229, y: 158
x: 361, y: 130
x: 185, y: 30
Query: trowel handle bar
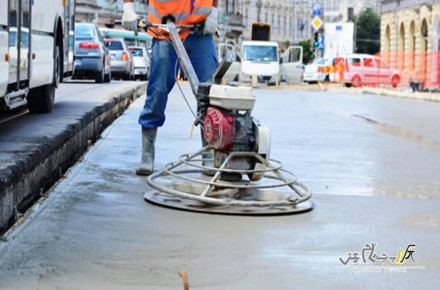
x: 145, y: 24
x: 177, y: 43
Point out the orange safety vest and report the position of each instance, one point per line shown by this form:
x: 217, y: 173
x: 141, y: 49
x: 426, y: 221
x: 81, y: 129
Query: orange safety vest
x: 183, y: 11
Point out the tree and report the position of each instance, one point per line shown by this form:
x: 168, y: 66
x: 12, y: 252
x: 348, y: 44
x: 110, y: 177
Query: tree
x: 308, y: 53
x: 367, y: 29
x: 284, y: 46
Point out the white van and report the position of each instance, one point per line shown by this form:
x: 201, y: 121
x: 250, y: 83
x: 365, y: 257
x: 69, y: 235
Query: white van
x: 261, y: 59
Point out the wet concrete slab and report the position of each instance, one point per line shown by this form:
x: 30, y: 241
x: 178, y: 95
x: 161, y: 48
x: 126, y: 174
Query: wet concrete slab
x: 95, y: 231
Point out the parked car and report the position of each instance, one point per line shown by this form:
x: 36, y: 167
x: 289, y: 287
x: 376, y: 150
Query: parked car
x: 365, y: 69
x: 121, y: 58
x: 141, y: 62
x: 312, y: 72
x: 91, y: 58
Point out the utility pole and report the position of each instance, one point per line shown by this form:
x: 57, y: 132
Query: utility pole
x: 317, y: 23
x: 323, y: 19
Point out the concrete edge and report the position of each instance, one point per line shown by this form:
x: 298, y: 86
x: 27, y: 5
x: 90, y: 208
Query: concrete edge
x: 336, y: 88
x: 23, y: 183
x: 432, y: 97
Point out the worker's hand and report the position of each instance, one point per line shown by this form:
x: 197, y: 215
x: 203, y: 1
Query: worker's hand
x: 211, y: 22
x: 129, y: 18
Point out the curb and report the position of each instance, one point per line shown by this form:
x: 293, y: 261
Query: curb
x: 36, y: 170
x: 320, y: 87
x: 432, y: 97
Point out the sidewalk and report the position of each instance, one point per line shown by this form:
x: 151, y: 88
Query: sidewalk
x: 401, y: 93
x: 389, y: 92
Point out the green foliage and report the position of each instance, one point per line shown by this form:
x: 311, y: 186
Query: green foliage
x: 308, y: 51
x: 367, y: 32
x: 284, y: 46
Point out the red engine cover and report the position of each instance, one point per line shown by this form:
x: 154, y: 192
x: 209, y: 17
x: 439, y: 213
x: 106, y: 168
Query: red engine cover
x: 219, y: 129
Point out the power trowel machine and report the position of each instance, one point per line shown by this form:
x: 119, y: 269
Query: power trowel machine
x: 233, y: 173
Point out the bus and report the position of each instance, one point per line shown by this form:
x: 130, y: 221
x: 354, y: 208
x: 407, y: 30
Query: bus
x: 69, y: 43
x: 34, y: 51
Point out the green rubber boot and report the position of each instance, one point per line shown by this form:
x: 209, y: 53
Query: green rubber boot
x: 147, y: 160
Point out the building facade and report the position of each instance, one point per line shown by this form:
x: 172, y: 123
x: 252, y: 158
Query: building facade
x: 410, y: 39
x: 289, y: 19
x: 344, y: 10
x: 105, y: 12
x: 86, y: 11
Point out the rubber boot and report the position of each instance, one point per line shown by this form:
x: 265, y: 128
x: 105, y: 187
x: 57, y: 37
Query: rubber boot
x: 147, y: 161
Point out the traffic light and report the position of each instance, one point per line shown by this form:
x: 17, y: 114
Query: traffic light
x: 316, y: 40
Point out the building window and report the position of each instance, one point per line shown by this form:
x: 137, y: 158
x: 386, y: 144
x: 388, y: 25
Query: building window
x: 387, y: 45
x: 285, y: 25
x: 401, y: 48
x: 279, y: 24
x: 303, y: 26
x: 329, y: 5
x: 266, y: 17
x: 412, y: 45
x: 290, y: 26
x: 246, y: 18
x: 273, y: 23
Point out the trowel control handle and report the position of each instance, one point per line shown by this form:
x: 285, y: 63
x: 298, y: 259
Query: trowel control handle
x: 145, y: 24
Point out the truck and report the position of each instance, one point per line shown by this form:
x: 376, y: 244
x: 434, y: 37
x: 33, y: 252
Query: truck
x: 35, y: 51
x: 260, y: 31
x: 339, y: 39
x: 260, y: 61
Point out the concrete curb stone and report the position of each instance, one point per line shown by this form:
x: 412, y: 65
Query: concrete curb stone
x: 25, y: 173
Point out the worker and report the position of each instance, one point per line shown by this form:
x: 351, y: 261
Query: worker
x: 199, y: 45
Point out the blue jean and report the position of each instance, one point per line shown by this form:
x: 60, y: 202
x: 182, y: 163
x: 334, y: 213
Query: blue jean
x: 163, y: 72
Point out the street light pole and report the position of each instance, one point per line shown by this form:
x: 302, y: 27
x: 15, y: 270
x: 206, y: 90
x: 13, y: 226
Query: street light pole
x: 323, y: 20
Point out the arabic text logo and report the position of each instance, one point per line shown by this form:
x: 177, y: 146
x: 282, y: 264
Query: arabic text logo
x: 368, y: 260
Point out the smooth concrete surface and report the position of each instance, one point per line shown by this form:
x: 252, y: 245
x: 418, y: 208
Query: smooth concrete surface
x: 373, y: 182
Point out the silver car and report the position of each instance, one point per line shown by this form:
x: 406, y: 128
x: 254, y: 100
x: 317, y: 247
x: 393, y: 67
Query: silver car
x: 91, y: 59
x: 121, y: 58
x: 141, y: 61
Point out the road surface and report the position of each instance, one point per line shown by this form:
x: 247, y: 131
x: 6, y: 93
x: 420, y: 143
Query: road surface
x: 372, y: 163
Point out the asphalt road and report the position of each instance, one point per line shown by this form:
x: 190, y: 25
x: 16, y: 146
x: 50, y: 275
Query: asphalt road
x: 372, y: 163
